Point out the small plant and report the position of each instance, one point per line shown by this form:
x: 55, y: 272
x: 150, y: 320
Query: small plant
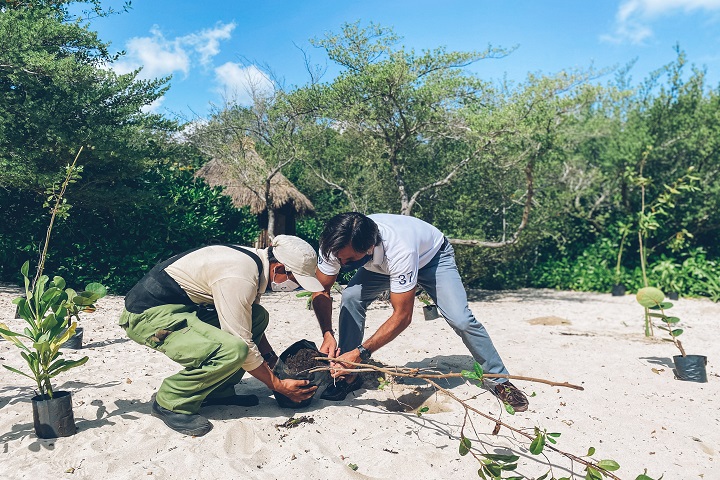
x: 424, y: 298
x: 651, y: 213
x: 653, y: 300
x: 48, y: 308
x: 305, y: 294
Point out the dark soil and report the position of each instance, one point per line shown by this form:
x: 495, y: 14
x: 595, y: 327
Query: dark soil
x: 302, y: 361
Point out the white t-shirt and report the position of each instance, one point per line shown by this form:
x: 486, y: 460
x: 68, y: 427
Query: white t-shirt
x: 408, y: 244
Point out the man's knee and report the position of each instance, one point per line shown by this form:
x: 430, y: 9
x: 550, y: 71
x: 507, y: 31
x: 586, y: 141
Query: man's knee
x: 352, y: 296
x: 460, y: 321
x: 234, y: 352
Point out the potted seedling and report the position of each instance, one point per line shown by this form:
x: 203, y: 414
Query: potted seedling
x: 430, y: 310
x: 46, y: 307
x: 651, y: 214
x: 687, y: 367
x: 297, y: 362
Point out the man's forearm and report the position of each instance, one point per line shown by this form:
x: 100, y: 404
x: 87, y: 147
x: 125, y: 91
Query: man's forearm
x: 265, y: 375
x: 322, y: 305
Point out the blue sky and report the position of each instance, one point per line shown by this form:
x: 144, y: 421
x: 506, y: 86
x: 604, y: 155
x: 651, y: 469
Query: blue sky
x: 212, y: 48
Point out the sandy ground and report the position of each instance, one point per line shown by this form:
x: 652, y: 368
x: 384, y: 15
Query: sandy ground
x: 632, y: 409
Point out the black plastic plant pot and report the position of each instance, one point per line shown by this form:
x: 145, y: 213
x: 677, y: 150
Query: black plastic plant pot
x: 673, y: 295
x: 431, y: 312
x: 283, y: 372
x: 74, y: 342
x: 53, y: 417
x: 618, y: 290
x: 691, y: 368
x: 285, y: 402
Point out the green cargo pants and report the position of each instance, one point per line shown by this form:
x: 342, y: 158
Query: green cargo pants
x: 212, y: 358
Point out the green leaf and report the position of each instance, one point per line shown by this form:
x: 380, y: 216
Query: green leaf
x: 537, y: 445
x: 649, y: 297
x: 478, y: 370
x: 470, y: 375
x: 15, y: 370
x: 97, y: 289
x: 465, y: 446
x: 671, y: 319
x: 543, y: 477
x: 68, y: 365
x: 494, y: 469
x: 609, y: 465
x: 509, y: 408
x: 666, y: 305
x: 501, y: 458
x: 352, y: 466
x: 82, y: 300
x: 676, y: 332
x: 25, y: 268
x: 593, y: 474
x: 553, y: 435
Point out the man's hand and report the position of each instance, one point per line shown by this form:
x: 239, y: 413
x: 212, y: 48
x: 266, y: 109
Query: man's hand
x: 338, y: 370
x: 296, y: 390
x: 329, y: 345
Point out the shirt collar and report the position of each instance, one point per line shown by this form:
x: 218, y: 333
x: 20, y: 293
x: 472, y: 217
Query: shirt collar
x: 378, y: 254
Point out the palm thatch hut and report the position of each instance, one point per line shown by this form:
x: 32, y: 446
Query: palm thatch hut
x: 287, y: 202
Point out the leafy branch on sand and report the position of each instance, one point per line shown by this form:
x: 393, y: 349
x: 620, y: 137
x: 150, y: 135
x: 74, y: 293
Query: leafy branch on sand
x: 493, y: 466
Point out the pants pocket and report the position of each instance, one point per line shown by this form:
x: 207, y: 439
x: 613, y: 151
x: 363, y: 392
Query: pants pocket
x: 188, y: 347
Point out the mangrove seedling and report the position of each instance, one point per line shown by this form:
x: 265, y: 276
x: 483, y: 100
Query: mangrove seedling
x: 653, y: 300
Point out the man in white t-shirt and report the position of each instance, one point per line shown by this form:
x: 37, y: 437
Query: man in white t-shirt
x: 396, y: 253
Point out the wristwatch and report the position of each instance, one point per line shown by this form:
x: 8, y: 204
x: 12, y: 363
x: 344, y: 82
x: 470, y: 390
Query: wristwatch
x: 364, y: 353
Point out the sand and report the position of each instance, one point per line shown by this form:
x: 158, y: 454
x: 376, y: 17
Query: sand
x: 632, y: 409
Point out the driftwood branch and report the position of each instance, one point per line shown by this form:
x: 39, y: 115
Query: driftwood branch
x: 418, y: 373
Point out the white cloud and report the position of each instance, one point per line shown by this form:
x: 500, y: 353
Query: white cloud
x: 160, y: 56
x: 634, y: 16
x: 237, y: 83
x: 207, y: 42
x: 154, y: 106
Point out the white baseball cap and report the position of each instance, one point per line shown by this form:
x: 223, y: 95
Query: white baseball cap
x: 299, y: 257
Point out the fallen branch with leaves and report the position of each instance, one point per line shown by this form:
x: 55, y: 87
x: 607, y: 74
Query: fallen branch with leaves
x: 492, y: 466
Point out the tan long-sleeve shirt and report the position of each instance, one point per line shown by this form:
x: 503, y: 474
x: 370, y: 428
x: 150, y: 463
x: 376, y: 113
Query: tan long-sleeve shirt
x: 221, y: 276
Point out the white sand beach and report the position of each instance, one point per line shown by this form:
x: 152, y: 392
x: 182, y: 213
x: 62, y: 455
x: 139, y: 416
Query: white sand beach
x: 632, y: 409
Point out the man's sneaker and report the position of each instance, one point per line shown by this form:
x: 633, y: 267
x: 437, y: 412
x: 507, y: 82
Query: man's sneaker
x: 187, y: 424
x: 510, y: 394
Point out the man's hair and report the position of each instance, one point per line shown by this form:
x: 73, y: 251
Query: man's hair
x: 351, y: 228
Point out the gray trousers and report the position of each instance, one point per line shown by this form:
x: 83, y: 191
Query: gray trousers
x: 441, y: 280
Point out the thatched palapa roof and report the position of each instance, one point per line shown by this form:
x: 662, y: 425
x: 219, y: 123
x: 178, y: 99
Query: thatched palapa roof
x: 218, y: 173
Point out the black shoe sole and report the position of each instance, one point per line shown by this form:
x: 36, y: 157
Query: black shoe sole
x: 168, y: 416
